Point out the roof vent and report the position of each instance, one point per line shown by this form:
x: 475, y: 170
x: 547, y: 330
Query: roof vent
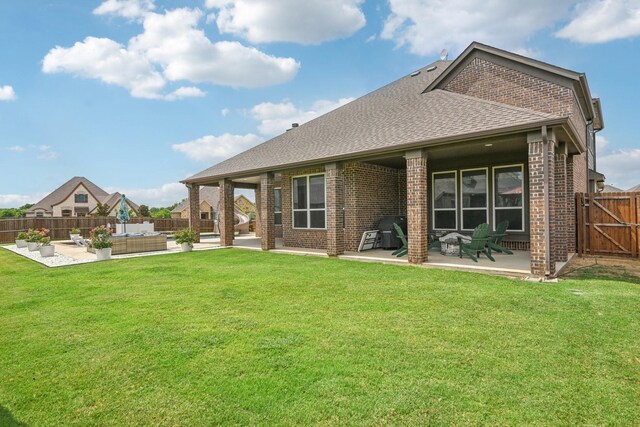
x: 415, y: 73
x: 295, y: 125
x: 433, y: 67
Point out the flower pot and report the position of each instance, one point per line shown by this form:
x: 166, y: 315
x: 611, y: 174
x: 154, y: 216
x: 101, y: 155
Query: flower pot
x: 73, y: 236
x: 47, y: 250
x: 32, y: 246
x: 103, y: 254
x: 185, y: 247
x: 21, y: 243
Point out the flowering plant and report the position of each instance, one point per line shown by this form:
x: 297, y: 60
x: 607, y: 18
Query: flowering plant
x: 100, y: 237
x: 35, y: 236
x: 186, y: 235
x: 45, y: 241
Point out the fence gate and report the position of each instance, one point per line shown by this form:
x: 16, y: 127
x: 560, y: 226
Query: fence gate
x: 608, y: 224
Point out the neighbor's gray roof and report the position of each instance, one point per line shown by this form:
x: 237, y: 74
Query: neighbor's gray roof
x: 391, y: 117
x: 611, y: 189
x: 62, y: 192
x: 114, y: 199
x: 636, y: 188
x: 210, y: 195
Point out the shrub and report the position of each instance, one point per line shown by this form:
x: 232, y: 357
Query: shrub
x: 75, y: 231
x: 22, y: 236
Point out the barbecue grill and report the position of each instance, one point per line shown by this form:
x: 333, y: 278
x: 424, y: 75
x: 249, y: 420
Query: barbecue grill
x: 388, y: 239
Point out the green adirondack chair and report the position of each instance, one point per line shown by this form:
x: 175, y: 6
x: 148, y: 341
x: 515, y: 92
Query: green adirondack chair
x: 403, y: 238
x: 495, y: 239
x: 478, y: 244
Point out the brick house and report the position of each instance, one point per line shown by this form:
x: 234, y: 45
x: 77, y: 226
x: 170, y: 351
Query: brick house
x: 77, y: 197
x: 489, y: 136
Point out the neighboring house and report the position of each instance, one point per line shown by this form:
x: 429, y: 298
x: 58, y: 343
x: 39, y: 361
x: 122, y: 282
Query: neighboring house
x: 209, y: 201
x: 490, y: 136
x: 634, y: 189
x: 77, y: 197
x: 245, y: 205
x: 611, y: 189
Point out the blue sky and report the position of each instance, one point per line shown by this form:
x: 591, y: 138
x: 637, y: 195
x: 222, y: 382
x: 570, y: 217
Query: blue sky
x: 139, y: 94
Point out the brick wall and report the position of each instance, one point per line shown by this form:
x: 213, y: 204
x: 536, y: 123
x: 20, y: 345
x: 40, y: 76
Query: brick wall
x: 227, y: 212
x: 417, y: 210
x: 194, y: 209
x: 371, y: 192
x: 299, y: 238
x: 559, y: 225
x: 335, y: 209
x: 571, y: 208
x: 267, y: 201
x: 494, y: 82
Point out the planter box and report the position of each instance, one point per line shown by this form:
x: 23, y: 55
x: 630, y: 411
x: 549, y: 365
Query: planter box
x: 21, y: 243
x: 32, y: 246
x: 185, y: 247
x: 103, y: 254
x: 47, y: 251
x: 135, y: 244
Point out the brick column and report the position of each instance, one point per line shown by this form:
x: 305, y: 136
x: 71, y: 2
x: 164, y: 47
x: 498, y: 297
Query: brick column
x: 226, y: 214
x: 267, y: 204
x: 335, y: 205
x: 194, y: 209
x: 571, y: 208
x: 561, y: 227
x: 541, y: 240
x: 417, y: 211
x: 257, y: 224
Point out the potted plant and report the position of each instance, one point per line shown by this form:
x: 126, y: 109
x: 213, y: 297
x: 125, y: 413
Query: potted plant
x: 33, y: 239
x: 21, y: 239
x: 185, y: 239
x: 100, y: 241
x: 74, y: 233
x: 46, y: 248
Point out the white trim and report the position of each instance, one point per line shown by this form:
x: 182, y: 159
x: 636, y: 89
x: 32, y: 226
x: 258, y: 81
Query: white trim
x: 308, y: 209
x: 433, y: 198
x: 462, y: 208
x: 493, y: 198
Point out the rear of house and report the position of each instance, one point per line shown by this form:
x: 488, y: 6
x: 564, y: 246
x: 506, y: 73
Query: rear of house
x: 491, y: 136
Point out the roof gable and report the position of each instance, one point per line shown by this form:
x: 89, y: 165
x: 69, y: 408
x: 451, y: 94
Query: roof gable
x: 65, y: 190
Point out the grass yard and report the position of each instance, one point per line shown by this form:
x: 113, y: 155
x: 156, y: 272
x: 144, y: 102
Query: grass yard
x: 242, y: 338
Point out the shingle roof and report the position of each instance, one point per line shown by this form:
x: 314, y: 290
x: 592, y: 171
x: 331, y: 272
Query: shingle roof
x: 611, y: 189
x: 633, y: 189
x: 113, y: 199
x: 396, y: 115
x: 62, y: 192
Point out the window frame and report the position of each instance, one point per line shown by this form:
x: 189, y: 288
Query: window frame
x: 494, y: 183
x: 433, y: 199
x: 85, y: 195
x: 308, y: 209
x: 274, y: 204
x: 488, y: 199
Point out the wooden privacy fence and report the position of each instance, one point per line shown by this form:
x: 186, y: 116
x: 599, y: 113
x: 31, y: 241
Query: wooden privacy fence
x: 608, y: 224
x: 59, y: 227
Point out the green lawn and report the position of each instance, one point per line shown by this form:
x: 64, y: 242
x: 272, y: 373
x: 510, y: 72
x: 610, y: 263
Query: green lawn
x: 241, y: 337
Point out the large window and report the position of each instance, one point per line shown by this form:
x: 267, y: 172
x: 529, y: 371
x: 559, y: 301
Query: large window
x: 277, y: 206
x: 508, y: 185
x: 309, y: 202
x: 445, y: 212
x: 66, y: 212
x: 81, y: 198
x: 474, y: 198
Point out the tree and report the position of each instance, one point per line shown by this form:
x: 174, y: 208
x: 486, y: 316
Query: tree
x: 143, y: 210
x: 162, y: 213
x: 102, y: 209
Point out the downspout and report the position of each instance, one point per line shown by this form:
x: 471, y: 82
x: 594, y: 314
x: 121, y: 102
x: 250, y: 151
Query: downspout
x: 547, y: 221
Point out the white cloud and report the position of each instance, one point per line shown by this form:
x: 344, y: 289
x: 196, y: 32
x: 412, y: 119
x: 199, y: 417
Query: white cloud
x: 130, y: 9
x: 15, y: 200
x: 16, y: 148
x: 7, y: 93
x: 164, y: 195
x: 224, y: 112
x: 428, y: 26
x: 601, y: 21
x: 620, y: 167
x: 308, y: 22
x: 46, y: 153
x: 277, y: 118
x: 601, y: 144
x: 171, y: 48
x: 216, y: 148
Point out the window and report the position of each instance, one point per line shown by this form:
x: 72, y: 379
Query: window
x: 39, y: 214
x: 309, y: 202
x: 66, y: 212
x: 204, y: 215
x: 445, y: 212
x: 508, y: 185
x: 474, y: 198
x: 277, y: 206
x: 82, y: 198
